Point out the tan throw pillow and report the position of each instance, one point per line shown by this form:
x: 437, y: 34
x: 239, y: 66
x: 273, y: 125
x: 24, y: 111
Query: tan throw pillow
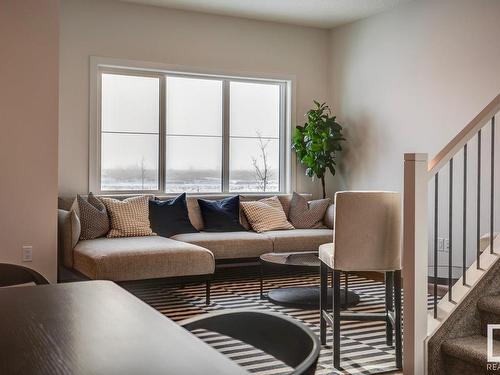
x: 307, y: 215
x: 129, y: 218
x: 266, y: 214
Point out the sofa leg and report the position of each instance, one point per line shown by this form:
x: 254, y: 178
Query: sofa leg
x: 207, y: 292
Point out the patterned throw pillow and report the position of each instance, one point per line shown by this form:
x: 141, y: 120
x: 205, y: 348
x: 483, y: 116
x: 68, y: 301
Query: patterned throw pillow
x: 130, y: 217
x: 93, y: 216
x: 266, y: 214
x: 304, y: 214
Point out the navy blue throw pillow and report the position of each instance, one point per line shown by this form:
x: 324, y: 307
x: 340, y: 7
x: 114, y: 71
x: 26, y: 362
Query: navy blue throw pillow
x: 221, y: 216
x: 170, y: 217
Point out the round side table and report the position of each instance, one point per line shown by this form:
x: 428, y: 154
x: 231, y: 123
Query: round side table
x: 304, y: 297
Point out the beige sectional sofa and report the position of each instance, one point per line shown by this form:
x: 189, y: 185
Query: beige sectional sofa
x: 190, y: 254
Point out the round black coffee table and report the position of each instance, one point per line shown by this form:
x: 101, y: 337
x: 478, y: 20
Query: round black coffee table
x: 304, y: 297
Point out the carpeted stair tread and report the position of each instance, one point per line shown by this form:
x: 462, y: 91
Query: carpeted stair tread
x: 471, y: 349
x: 490, y: 304
x: 489, y: 312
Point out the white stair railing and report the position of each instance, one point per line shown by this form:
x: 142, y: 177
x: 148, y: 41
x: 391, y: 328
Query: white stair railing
x: 418, y: 172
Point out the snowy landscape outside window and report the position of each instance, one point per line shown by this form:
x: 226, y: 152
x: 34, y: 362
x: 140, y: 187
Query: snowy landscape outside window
x: 173, y: 133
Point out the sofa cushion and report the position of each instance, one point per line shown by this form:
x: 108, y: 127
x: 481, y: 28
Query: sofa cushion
x: 286, y: 201
x: 221, y: 215
x: 129, y: 217
x: 299, y: 239
x: 170, y: 217
x: 266, y: 214
x: 329, y: 218
x: 230, y: 244
x: 136, y: 258
x: 68, y: 235
x: 307, y: 215
x: 243, y: 219
x: 194, y: 212
x: 93, y: 217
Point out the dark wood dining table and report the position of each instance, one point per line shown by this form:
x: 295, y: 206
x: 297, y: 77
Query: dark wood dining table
x: 96, y: 327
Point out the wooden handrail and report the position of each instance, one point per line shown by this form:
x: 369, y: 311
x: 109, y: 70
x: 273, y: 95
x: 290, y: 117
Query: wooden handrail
x: 464, y: 136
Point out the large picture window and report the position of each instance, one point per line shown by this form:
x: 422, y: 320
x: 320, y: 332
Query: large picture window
x: 170, y: 132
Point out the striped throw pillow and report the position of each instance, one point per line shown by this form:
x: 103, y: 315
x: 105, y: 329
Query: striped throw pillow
x: 266, y: 214
x: 130, y: 217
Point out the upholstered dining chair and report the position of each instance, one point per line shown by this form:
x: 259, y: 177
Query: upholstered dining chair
x: 366, y: 238
x: 12, y: 274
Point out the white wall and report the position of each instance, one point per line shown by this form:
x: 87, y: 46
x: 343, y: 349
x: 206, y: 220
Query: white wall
x: 28, y: 142
x: 402, y: 81
x: 160, y: 35
x: 408, y: 81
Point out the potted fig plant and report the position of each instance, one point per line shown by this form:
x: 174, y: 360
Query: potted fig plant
x: 317, y: 142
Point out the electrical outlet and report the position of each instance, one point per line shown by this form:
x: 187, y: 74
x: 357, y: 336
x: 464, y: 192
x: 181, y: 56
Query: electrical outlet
x: 446, y: 245
x: 440, y: 244
x: 27, y: 253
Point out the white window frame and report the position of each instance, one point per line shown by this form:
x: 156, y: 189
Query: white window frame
x: 99, y: 66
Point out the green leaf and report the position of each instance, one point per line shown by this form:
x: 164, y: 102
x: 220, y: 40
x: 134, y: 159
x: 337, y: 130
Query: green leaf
x: 318, y: 140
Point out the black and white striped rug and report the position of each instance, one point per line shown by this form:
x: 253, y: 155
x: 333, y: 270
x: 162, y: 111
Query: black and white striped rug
x: 364, y: 350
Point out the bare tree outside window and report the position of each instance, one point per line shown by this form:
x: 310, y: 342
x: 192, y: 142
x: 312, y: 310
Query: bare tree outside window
x: 262, y: 174
x: 133, y: 145
x: 143, y: 173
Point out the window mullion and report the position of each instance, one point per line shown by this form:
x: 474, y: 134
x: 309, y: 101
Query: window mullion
x: 163, y: 130
x: 282, y: 139
x: 95, y: 173
x: 225, y: 135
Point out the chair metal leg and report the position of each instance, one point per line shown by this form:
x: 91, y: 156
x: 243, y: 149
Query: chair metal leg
x: 346, y: 290
x: 336, y: 319
x: 207, y: 292
x: 322, y: 301
x: 389, y: 305
x: 392, y: 313
x: 261, y: 280
x: 397, y: 320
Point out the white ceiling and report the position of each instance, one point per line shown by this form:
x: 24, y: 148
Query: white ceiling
x: 317, y: 13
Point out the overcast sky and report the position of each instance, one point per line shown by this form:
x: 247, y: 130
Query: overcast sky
x: 193, y: 112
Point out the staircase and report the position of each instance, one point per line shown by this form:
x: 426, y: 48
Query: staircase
x: 468, y: 355
x: 459, y: 346
x: 452, y: 198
